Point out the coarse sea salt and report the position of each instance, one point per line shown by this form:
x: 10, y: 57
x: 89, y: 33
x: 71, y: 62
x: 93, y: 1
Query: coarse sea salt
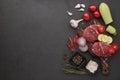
x: 92, y: 66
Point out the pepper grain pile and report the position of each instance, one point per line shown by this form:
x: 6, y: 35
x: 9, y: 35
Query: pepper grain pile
x: 95, y: 39
x: 77, y: 59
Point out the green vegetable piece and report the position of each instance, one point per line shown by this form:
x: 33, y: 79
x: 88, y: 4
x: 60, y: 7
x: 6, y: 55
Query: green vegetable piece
x: 100, y: 37
x: 74, y: 71
x: 109, y: 40
x: 111, y: 30
x: 105, y: 13
x: 104, y: 38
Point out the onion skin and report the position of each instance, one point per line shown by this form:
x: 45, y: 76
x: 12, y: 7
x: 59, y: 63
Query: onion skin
x: 81, y: 41
x: 83, y: 48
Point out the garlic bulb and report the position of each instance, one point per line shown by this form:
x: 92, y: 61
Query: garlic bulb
x: 74, y: 23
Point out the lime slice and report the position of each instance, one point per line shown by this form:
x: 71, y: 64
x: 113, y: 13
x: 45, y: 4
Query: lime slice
x: 111, y: 30
x: 109, y: 40
x: 100, y: 37
x: 104, y: 38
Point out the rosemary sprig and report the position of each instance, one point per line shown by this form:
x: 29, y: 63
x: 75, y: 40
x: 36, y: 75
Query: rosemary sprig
x: 74, y: 71
x: 69, y: 65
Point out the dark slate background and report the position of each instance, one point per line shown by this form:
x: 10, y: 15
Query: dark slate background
x: 33, y: 36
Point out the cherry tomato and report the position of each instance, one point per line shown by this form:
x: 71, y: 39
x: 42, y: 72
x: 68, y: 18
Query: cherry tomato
x: 101, y: 29
x: 115, y: 46
x: 86, y: 16
x: 96, y: 14
x: 70, y: 44
x: 92, y: 8
x: 111, y: 50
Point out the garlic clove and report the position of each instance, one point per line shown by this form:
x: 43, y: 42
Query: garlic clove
x: 69, y: 13
x: 77, y: 6
x: 81, y: 10
x: 83, y: 5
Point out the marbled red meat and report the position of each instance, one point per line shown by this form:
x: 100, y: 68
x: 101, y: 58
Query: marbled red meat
x: 100, y: 49
x: 91, y: 33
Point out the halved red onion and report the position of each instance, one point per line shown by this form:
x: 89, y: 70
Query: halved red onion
x: 81, y: 41
x: 83, y: 48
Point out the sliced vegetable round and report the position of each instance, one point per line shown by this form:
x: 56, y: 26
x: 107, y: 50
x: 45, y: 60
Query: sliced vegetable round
x: 100, y: 37
x: 104, y: 38
x: 109, y: 40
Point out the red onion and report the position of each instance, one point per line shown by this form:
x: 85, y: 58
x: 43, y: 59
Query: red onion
x: 83, y: 48
x: 81, y: 41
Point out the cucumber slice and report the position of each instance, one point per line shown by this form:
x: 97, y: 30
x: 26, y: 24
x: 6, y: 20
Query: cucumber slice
x: 105, y: 13
x: 100, y: 37
x: 109, y: 40
x: 111, y: 30
x: 104, y: 38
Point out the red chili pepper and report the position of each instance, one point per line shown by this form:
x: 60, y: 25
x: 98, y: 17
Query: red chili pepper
x: 75, y: 40
x: 71, y: 41
x: 70, y: 47
x: 70, y: 44
x: 76, y: 36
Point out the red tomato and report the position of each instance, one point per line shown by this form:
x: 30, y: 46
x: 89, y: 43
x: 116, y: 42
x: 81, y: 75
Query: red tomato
x: 101, y: 29
x: 115, y: 46
x: 96, y: 14
x: 86, y: 16
x: 111, y: 50
x: 92, y: 8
